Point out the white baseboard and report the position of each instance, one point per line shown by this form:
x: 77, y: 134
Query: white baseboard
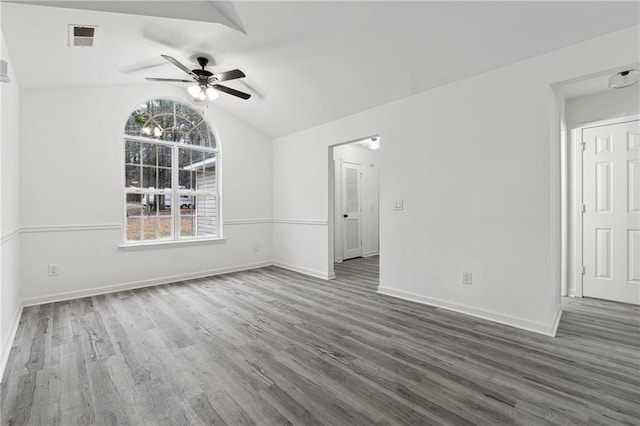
x: 59, y: 297
x: 556, y: 322
x: 303, y: 270
x: 6, y: 345
x: 371, y: 253
x: 536, y: 327
x: 96, y: 291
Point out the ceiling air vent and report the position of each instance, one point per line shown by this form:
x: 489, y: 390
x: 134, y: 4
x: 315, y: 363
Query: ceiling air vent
x: 82, y: 35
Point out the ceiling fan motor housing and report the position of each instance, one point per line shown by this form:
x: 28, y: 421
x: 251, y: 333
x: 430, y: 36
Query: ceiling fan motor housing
x: 203, y: 75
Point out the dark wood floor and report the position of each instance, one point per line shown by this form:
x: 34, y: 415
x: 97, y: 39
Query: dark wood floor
x: 270, y: 346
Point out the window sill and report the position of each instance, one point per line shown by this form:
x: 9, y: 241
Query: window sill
x: 171, y: 243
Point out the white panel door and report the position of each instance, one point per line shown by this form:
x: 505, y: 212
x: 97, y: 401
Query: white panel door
x: 611, y: 219
x: 351, y: 210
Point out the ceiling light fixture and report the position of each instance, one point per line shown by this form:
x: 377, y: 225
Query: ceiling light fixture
x: 624, y: 79
x: 202, y: 93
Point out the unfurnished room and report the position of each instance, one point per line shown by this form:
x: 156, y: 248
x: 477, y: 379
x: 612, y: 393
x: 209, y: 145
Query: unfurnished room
x: 319, y: 212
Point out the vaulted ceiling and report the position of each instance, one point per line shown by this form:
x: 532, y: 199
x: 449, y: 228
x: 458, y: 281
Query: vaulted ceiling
x: 307, y: 63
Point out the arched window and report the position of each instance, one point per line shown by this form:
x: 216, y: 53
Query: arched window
x: 171, y: 166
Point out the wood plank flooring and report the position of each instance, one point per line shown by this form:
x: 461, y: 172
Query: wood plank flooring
x: 270, y: 346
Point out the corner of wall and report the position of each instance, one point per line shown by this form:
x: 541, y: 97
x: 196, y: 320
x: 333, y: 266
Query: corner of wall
x: 10, y: 238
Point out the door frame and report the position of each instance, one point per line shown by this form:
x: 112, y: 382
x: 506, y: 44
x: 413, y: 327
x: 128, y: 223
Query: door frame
x: 331, y: 204
x: 576, y: 275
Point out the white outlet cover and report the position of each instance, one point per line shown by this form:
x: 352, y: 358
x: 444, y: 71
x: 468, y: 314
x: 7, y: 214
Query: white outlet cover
x: 53, y: 270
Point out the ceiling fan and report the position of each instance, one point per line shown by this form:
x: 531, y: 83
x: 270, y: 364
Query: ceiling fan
x: 205, y: 82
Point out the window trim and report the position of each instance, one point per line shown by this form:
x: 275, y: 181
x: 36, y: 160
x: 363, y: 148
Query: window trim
x: 175, y: 191
x: 169, y: 243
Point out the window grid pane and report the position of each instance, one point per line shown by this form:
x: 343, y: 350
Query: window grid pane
x: 152, y: 202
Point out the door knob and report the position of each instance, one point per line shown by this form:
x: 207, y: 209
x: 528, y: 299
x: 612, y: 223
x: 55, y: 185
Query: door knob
x: 345, y: 215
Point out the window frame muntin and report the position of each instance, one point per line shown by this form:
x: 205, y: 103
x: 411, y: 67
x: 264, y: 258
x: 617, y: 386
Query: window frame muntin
x: 175, y: 192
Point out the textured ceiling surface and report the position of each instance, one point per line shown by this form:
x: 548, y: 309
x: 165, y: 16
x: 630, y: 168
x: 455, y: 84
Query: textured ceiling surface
x: 307, y: 63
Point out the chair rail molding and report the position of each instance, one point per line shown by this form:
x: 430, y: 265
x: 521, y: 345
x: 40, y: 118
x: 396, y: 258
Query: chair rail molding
x: 232, y: 222
x: 9, y: 236
x: 302, y: 222
x: 35, y: 229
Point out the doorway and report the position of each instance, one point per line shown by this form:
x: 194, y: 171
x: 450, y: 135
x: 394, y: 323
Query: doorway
x: 354, y: 202
x: 600, y: 221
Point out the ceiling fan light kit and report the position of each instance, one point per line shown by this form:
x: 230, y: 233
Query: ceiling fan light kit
x: 205, y: 85
x: 202, y: 93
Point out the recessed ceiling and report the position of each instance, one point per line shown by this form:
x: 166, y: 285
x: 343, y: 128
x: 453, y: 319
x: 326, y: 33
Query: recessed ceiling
x: 307, y: 63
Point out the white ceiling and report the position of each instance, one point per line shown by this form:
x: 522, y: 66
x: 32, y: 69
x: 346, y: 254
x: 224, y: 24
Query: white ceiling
x: 307, y: 63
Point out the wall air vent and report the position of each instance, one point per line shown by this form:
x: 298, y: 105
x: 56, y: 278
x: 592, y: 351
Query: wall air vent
x: 82, y: 35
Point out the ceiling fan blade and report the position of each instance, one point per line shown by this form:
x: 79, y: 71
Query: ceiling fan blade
x: 169, y: 79
x: 141, y: 65
x: 231, y: 91
x: 229, y: 75
x: 175, y: 62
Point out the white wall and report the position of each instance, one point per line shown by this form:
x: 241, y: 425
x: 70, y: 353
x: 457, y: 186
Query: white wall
x: 300, y: 209
x: 579, y: 111
x: 368, y: 159
x: 477, y: 163
x: 9, y: 209
x: 72, y: 196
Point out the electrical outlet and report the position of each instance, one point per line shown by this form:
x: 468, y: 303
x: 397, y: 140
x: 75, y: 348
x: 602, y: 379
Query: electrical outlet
x: 53, y: 269
x: 398, y: 205
x: 466, y: 278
